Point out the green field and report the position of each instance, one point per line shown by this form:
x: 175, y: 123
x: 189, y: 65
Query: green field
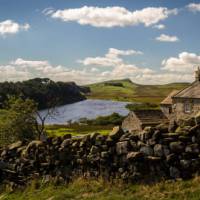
x: 76, y: 129
x: 100, y: 190
x: 132, y: 92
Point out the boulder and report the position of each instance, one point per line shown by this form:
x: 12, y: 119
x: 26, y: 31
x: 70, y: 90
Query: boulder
x: 158, y: 150
x: 163, y: 128
x: 133, y: 156
x: 174, y: 172
x: 3, y: 165
x: 93, y: 136
x: 66, y: 143
x: 166, y: 150
x: 116, y: 133
x: 156, y: 135
x: 197, y: 118
x: 104, y: 154
x: 176, y: 147
x: 192, y: 148
x: 147, y: 150
x: 185, y: 139
x: 153, y: 159
x: 171, y: 158
x: 185, y: 164
x: 99, y: 140
x: 172, y: 125
x: 125, y: 137
x: 186, y: 122
x: 94, y: 150
x: 15, y: 145
x: 186, y: 130
x: 122, y: 147
x: 146, y: 133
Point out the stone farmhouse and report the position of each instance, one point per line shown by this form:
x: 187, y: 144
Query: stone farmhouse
x: 177, y: 105
x: 184, y: 103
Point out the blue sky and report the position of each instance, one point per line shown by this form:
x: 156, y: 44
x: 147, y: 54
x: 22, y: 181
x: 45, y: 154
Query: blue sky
x: 88, y: 41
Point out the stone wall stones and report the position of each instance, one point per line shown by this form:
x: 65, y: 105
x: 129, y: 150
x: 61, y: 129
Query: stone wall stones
x: 152, y: 154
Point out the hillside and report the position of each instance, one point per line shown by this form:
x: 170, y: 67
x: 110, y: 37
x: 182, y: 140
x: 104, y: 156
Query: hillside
x: 126, y: 90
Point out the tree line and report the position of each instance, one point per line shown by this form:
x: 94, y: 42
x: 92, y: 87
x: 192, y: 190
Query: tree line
x: 43, y: 91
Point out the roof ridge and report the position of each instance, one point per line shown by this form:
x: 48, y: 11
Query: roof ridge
x: 184, y: 88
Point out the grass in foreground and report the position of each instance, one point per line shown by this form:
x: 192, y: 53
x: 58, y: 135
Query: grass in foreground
x: 99, y: 190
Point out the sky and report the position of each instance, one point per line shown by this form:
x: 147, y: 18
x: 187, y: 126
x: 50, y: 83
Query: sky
x: 88, y: 41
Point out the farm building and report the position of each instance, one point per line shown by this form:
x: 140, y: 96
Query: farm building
x: 166, y: 105
x: 184, y: 103
x: 139, y: 119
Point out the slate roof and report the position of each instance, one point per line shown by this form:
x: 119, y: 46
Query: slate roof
x: 193, y: 91
x: 150, y: 117
x: 168, y: 99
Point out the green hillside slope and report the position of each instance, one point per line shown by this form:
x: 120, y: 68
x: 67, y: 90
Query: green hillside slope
x: 126, y: 90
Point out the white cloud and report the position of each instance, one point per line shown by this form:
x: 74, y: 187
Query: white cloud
x: 110, y: 59
x: 113, y: 16
x: 174, y: 69
x: 167, y: 38
x: 11, y: 27
x: 194, y: 7
x: 184, y: 63
x: 159, y: 26
x: 48, y: 11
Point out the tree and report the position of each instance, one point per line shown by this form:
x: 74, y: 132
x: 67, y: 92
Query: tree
x: 18, y: 120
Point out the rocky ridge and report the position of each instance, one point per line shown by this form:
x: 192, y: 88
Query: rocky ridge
x: 155, y: 153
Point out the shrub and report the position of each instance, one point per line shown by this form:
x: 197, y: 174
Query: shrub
x: 113, y: 119
x: 17, y: 120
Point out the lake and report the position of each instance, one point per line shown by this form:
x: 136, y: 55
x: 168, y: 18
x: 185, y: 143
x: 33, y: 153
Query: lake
x: 89, y: 109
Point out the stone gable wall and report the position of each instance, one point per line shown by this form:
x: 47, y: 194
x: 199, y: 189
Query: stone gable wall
x: 131, y: 123
x: 179, y: 110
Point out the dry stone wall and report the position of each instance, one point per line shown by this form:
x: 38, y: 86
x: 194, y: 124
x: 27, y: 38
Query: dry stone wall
x: 153, y: 154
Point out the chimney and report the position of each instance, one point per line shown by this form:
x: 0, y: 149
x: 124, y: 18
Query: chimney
x: 197, y: 75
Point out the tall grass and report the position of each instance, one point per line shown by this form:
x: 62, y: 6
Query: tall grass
x: 101, y: 190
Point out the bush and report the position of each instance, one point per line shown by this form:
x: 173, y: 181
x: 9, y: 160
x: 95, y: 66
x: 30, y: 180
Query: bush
x: 116, y: 84
x: 113, y: 119
x: 17, y: 120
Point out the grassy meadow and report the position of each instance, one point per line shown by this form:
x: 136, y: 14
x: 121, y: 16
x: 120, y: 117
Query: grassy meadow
x: 126, y: 90
x: 76, y: 129
x: 100, y: 190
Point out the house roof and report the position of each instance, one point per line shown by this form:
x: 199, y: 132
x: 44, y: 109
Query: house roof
x: 193, y: 91
x: 168, y: 99
x: 150, y: 117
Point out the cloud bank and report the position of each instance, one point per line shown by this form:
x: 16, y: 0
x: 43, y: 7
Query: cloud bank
x: 110, y: 66
x: 159, y: 26
x: 194, y: 7
x: 110, y: 59
x: 112, y: 16
x: 10, y: 27
x: 184, y: 63
x: 167, y: 38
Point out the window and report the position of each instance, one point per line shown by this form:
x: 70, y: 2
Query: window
x: 188, y: 107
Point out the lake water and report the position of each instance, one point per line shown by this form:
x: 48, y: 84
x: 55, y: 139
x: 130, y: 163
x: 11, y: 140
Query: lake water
x: 89, y: 109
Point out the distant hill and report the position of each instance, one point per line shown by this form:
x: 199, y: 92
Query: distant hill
x: 44, y: 91
x: 126, y: 90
